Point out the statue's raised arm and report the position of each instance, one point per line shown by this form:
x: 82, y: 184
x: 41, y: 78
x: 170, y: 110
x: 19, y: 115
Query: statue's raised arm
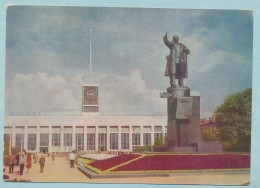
x: 167, y: 42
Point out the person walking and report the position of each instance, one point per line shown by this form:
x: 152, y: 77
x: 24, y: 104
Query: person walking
x: 29, y: 162
x: 11, y: 162
x: 42, y: 162
x: 53, y: 156
x: 72, y: 158
x: 17, y: 158
x: 22, y: 162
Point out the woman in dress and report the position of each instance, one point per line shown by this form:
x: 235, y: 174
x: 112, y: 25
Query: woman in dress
x: 29, y: 162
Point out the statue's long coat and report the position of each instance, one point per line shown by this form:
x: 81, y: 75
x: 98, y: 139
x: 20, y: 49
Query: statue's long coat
x: 179, y: 69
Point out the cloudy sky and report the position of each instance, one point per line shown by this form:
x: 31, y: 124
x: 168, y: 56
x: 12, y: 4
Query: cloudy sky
x: 47, y: 57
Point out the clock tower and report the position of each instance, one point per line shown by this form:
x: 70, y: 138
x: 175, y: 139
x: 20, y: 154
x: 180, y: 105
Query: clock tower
x: 90, y: 104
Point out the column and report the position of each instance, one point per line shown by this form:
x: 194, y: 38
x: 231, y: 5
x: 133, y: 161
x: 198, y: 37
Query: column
x: 85, y: 138
x: 108, y: 138
x: 130, y: 138
x: 119, y: 138
x: 62, y: 149
x: 73, y: 138
x: 25, y: 138
x: 152, y: 135
x: 50, y: 149
x: 13, y: 136
x: 141, y: 135
x: 96, y: 139
x: 38, y: 139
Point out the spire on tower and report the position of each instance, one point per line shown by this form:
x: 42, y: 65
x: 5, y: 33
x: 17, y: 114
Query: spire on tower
x: 90, y: 56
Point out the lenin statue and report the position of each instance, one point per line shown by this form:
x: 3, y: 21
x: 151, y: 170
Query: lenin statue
x: 176, y: 61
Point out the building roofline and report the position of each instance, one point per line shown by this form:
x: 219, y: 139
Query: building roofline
x: 90, y: 84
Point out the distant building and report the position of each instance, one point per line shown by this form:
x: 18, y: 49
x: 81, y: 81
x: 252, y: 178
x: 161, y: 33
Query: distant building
x: 209, y: 124
x: 87, y: 132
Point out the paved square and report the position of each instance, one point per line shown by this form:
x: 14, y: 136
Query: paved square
x: 60, y: 171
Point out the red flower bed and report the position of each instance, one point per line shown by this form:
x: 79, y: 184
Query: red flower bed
x: 187, y: 162
x: 114, y: 161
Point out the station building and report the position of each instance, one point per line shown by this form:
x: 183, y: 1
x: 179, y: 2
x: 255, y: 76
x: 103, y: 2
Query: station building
x: 89, y: 131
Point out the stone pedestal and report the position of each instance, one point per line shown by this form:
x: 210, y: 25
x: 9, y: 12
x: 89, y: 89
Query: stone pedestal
x: 183, y: 126
x: 183, y: 130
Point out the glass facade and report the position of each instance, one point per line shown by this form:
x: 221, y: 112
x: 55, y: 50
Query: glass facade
x: 91, y: 141
x: 113, y: 141
x: 19, y: 140
x: 7, y: 141
x: 124, y: 140
x: 44, y: 139
x: 135, y: 139
x: 79, y: 140
x: 56, y: 136
x: 79, y: 137
x: 55, y: 139
x: 147, y: 139
x: 32, y: 141
x: 102, y: 141
x: 67, y: 139
x: 157, y: 128
x: 157, y: 136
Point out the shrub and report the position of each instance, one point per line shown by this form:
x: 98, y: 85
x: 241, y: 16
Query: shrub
x: 159, y: 141
x: 142, y: 149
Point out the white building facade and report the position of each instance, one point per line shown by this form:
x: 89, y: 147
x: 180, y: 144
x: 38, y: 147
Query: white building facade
x: 83, y: 133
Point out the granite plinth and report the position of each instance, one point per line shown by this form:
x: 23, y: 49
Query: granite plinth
x: 183, y: 124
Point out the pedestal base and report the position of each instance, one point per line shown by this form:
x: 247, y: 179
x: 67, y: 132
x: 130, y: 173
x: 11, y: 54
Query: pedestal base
x: 183, y: 126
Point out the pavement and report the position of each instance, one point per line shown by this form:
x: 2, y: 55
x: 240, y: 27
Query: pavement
x: 60, y: 171
x: 95, y: 156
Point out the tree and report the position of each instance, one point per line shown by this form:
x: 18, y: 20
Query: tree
x: 234, y: 120
x: 160, y: 141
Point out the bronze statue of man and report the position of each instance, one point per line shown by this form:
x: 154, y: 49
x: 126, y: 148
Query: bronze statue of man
x: 176, y: 61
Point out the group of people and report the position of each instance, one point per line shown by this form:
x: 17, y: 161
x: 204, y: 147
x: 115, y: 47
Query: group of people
x: 21, y: 159
x: 24, y: 160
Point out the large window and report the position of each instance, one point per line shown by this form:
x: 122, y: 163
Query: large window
x: 19, y: 137
x: 158, y: 134
x: 67, y: 139
x: 19, y: 140
x: 113, y: 141
x: 157, y: 128
x: 32, y: 141
x: 44, y: 136
x: 125, y: 140
x: 44, y: 139
x: 91, y: 141
x: 7, y: 143
x: 147, y: 139
x: 79, y: 140
x: 102, y: 141
x: 157, y: 137
x: 55, y: 139
x: 135, y: 139
x: 56, y: 136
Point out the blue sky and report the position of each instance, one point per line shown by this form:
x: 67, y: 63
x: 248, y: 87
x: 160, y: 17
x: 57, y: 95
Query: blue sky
x: 47, y: 57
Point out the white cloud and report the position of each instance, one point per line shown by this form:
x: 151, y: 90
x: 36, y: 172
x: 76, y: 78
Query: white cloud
x: 129, y: 95
x: 39, y: 93
x: 119, y: 95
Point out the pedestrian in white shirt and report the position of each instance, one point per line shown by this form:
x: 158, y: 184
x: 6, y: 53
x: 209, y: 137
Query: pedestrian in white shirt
x: 72, y: 157
x: 22, y: 162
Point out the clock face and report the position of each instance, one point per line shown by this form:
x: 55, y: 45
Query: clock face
x: 91, y: 94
